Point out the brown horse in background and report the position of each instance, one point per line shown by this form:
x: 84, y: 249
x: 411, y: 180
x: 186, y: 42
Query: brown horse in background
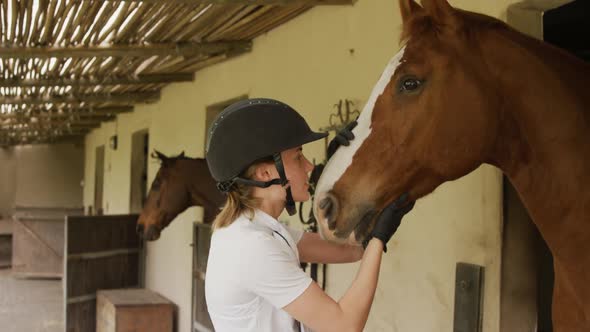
x: 180, y: 183
x: 467, y: 89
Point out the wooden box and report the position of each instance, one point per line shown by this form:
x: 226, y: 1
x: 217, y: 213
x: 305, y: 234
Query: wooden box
x: 131, y: 310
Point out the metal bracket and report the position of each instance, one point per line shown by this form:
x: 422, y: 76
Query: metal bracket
x: 469, y: 282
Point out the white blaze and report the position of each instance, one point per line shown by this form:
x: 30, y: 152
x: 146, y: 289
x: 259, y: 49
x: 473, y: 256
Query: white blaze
x: 342, y: 159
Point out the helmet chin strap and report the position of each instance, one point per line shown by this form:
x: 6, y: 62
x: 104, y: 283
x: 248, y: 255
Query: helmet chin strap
x: 289, y: 202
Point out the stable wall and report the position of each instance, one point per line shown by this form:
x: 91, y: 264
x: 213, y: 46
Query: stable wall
x: 8, y: 181
x: 50, y: 175
x: 41, y: 176
x: 326, y: 54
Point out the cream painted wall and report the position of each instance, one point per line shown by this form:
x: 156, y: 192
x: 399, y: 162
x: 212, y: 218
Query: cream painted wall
x: 117, y: 168
x: 57, y: 168
x: 8, y: 161
x: 308, y: 63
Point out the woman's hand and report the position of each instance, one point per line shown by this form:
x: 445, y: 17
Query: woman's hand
x: 343, y: 137
x: 389, y: 220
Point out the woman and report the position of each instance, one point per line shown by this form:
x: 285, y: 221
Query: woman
x: 254, y: 281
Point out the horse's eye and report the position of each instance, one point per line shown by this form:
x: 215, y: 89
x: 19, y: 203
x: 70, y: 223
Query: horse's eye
x: 410, y: 84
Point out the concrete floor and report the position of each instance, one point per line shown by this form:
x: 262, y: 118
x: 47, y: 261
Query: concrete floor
x: 30, y: 305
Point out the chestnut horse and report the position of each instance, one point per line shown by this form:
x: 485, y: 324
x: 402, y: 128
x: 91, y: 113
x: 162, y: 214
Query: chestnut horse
x: 180, y: 183
x: 467, y: 89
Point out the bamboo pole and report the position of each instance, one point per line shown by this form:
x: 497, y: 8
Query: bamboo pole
x: 14, y: 17
x: 47, y: 28
x: 182, y: 24
x: 116, y: 23
x: 86, y: 23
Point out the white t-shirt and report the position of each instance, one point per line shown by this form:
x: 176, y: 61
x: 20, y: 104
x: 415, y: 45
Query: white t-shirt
x: 253, y: 272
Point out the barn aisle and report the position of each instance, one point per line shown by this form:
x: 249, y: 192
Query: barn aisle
x: 30, y: 305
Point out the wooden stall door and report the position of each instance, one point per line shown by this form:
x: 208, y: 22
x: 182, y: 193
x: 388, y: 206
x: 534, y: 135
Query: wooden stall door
x: 37, y: 248
x: 38, y: 241
x: 99, y: 180
x: 139, y: 160
x: 103, y: 252
x: 201, y: 243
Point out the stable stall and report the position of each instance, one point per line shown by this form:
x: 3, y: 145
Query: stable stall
x: 38, y: 241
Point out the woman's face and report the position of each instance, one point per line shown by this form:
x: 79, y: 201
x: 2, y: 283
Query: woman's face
x: 297, y: 169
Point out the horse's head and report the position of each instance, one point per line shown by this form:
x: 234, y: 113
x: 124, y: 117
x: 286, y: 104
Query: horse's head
x: 429, y: 119
x: 169, y: 195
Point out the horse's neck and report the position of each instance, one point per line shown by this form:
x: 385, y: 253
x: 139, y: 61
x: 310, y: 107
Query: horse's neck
x: 545, y: 136
x: 203, y: 191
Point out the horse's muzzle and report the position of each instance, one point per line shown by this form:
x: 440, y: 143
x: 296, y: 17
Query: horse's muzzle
x: 152, y: 233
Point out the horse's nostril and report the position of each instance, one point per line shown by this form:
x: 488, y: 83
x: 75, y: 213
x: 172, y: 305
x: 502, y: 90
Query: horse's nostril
x: 139, y: 229
x: 152, y: 233
x: 328, y: 205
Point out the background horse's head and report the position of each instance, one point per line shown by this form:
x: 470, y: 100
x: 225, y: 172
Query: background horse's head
x: 431, y: 118
x: 181, y: 182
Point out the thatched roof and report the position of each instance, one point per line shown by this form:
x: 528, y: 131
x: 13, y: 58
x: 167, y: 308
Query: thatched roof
x: 68, y: 65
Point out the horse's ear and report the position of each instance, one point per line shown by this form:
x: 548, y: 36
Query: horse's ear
x: 441, y: 11
x: 408, y: 9
x: 181, y: 155
x: 160, y: 155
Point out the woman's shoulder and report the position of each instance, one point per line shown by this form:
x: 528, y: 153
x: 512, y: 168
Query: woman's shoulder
x: 244, y: 233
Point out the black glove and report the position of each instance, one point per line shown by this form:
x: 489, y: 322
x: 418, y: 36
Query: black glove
x: 389, y: 220
x: 343, y: 137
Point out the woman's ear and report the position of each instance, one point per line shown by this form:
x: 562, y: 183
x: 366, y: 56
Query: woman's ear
x: 264, y: 172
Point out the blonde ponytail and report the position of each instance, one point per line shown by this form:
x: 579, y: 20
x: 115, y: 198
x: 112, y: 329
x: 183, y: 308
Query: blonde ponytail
x: 240, y: 200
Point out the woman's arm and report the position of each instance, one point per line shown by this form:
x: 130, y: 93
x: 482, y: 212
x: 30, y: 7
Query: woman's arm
x: 320, y: 312
x: 316, y: 309
x: 313, y: 249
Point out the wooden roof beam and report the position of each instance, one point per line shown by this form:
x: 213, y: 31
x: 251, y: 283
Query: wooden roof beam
x: 105, y: 80
x: 80, y: 112
x: 45, y: 131
x: 12, y: 141
x: 54, y: 122
x: 42, y: 133
x: 257, y: 2
x: 172, y: 49
x: 51, y: 126
x: 50, y: 116
x: 45, y: 138
x: 128, y: 98
x: 85, y: 110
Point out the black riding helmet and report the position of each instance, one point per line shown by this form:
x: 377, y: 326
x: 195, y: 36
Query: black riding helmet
x: 251, y: 130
